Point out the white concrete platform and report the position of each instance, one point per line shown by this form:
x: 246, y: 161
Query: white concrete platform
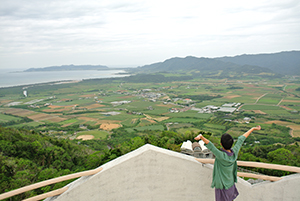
x: 153, y: 173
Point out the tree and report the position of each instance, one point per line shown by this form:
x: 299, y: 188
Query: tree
x: 282, y: 156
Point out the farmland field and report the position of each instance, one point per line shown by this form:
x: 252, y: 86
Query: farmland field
x: 97, y: 134
x: 100, y: 108
x: 6, y: 118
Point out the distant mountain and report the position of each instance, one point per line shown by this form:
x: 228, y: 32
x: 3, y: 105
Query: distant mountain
x: 203, y: 66
x: 68, y: 68
x: 187, y: 63
x: 286, y: 63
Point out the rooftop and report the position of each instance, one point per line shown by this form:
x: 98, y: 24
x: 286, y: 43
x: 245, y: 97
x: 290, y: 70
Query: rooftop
x: 153, y: 173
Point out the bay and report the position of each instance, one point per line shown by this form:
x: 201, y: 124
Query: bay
x: 19, y: 78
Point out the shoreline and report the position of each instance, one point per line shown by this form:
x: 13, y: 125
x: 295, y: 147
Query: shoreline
x: 25, y: 86
x: 63, y: 81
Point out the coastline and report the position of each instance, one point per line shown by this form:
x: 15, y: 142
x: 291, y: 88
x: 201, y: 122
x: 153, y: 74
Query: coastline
x: 25, y: 86
x: 30, y: 79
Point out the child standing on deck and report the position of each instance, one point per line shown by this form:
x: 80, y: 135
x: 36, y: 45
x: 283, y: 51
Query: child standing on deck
x: 225, y: 166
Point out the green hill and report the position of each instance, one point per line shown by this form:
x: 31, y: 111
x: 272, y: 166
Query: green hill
x: 286, y: 63
x: 203, y: 67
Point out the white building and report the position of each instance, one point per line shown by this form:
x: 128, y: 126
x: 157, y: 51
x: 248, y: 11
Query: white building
x: 226, y: 109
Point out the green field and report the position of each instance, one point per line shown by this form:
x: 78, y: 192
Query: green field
x: 98, y: 134
x: 272, y: 99
x: 6, y: 118
x: 151, y: 104
x: 261, y: 107
x: 182, y: 120
x: 30, y: 124
x: 144, y: 128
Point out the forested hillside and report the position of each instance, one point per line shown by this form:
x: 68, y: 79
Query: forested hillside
x: 201, y: 66
x: 286, y: 63
x: 27, y: 157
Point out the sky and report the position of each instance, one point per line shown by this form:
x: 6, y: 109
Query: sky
x: 131, y: 33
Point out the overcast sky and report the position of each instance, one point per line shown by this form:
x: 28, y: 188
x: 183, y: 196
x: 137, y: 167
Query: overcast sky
x: 40, y: 33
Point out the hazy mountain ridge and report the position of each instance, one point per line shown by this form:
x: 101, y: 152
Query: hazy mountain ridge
x: 287, y: 63
x: 202, y: 66
x: 68, y: 68
x: 187, y: 63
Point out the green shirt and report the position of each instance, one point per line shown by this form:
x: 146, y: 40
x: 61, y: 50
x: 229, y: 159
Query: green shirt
x: 225, y: 167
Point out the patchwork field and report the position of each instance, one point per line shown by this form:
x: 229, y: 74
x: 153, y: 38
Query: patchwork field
x: 20, y: 112
x: 102, y: 107
x: 94, y: 134
x: 109, y: 126
x: 259, y: 112
x: 6, y: 118
x: 295, y: 128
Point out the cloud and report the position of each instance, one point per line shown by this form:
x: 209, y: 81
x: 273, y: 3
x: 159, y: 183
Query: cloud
x: 143, y: 31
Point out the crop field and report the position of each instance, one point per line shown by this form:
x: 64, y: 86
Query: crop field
x: 215, y: 126
x: 29, y: 125
x: 261, y: 107
x: 157, y: 107
x: 277, y: 112
x: 68, y: 122
x: 195, y: 131
x: 6, y: 118
x: 182, y: 120
x: 19, y: 112
x: 109, y: 126
x: 143, y: 128
x: 272, y: 99
x: 96, y: 134
x: 295, y: 130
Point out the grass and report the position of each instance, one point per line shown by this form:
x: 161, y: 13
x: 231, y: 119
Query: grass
x: 129, y: 122
x: 143, y: 128
x: 30, y: 124
x: 6, y: 118
x: 215, y: 126
x: 261, y: 107
x: 180, y: 125
x: 277, y: 112
x: 272, y: 99
x: 182, y: 120
x: 69, y: 121
x: 189, y: 130
x: 144, y: 122
x: 98, y: 134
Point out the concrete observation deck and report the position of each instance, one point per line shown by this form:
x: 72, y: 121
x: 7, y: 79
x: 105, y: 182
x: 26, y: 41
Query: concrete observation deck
x: 153, y: 173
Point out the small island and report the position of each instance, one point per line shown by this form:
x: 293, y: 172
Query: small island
x: 69, y: 68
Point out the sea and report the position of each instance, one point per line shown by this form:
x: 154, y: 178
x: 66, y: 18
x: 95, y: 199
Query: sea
x: 9, y: 78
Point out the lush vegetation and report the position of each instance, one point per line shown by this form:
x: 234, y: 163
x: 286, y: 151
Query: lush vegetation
x: 28, y: 157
